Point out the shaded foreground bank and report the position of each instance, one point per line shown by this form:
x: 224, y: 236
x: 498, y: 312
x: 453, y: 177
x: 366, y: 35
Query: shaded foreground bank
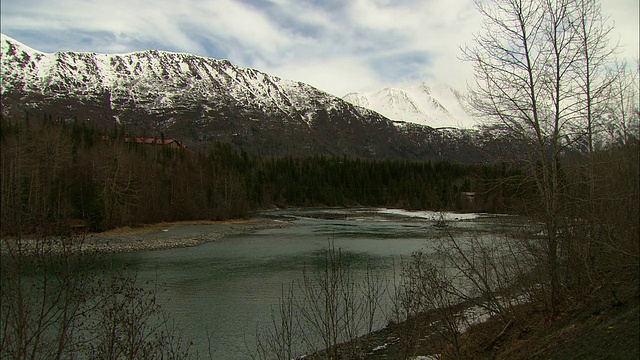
x: 493, y: 278
x: 603, y: 323
x: 528, y: 332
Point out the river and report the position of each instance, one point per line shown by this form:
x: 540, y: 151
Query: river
x: 219, y: 292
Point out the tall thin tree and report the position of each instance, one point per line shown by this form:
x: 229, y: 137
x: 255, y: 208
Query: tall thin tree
x: 527, y: 83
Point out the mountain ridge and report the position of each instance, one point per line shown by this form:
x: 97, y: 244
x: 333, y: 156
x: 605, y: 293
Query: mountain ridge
x: 437, y: 106
x: 204, y: 100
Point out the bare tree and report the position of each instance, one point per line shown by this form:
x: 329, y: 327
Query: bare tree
x: 128, y: 323
x: 430, y: 289
x: 623, y: 110
x: 119, y: 187
x: 329, y: 309
x: 59, y: 302
x: 528, y: 83
x: 280, y: 338
x: 593, y: 78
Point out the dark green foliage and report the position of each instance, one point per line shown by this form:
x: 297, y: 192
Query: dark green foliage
x: 339, y: 181
x: 55, y: 174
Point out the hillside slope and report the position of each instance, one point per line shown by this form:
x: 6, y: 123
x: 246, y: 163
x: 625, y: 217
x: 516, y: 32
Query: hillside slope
x: 436, y: 106
x: 202, y: 100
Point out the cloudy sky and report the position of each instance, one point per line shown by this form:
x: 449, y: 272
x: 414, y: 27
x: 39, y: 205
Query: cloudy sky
x: 336, y: 45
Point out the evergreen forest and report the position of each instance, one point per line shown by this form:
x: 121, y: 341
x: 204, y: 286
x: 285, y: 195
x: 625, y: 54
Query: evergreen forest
x: 63, y: 175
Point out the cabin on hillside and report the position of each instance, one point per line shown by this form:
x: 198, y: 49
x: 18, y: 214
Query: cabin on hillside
x: 469, y: 201
x: 469, y: 196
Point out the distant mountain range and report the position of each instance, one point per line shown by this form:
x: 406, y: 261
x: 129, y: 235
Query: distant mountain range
x: 436, y: 106
x: 201, y: 100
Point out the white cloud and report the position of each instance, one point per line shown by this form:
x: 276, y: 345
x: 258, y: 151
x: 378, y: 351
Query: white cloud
x: 335, y: 45
x: 438, y: 28
x: 625, y: 15
x: 337, y: 76
x: 239, y: 25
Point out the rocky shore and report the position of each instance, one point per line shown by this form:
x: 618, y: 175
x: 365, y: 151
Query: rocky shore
x: 151, y: 237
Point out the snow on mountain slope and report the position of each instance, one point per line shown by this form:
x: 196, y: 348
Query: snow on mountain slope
x: 436, y: 106
x: 154, y: 80
x: 203, y: 101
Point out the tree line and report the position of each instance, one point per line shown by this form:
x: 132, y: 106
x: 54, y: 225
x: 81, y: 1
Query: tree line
x: 546, y: 73
x: 546, y: 76
x: 59, y: 174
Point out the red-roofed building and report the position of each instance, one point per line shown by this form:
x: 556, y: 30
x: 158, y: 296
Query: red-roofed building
x: 172, y: 143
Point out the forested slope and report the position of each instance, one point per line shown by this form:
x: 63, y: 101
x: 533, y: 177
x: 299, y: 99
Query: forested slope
x: 57, y: 175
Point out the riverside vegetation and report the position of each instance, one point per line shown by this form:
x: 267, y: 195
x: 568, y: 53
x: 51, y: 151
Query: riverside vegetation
x: 51, y: 300
x: 60, y: 179
x: 57, y: 175
x: 543, y: 77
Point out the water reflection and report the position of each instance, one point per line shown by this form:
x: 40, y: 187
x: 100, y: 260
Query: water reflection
x: 219, y: 291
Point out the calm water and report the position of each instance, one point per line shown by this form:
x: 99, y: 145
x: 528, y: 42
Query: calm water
x: 220, y: 291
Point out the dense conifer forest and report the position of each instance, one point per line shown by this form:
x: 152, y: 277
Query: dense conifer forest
x: 58, y: 175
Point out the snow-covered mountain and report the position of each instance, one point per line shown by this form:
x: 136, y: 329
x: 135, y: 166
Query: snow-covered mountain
x: 436, y: 106
x: 203, y: 100
x: 155, y: 80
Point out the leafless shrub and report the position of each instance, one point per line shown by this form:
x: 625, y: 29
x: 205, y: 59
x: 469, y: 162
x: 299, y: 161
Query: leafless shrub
x: 280, y: 338
x: 427, y: 289
x: 328, y: 309
x: 60, y: 302
x: 490, y: 274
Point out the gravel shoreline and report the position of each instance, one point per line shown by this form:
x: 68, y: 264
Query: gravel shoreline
x: 153, y: 237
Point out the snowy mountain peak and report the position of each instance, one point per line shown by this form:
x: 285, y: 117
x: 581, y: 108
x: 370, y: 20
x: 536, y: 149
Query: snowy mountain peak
x: 204, y: 101
x: 423, y: 87
x: 10, y: 46
x: 435, y: 106
x: 152, y: 79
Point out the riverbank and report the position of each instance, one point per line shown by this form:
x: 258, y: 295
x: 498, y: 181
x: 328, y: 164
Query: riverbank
x: 601, y: 323
x: 168, y: 235
x: 156, y: 236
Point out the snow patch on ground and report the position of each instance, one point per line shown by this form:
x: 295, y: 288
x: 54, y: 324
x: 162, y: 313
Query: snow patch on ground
x: 381, y: 347
x: 473, y: 316
x: 433, y: 215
